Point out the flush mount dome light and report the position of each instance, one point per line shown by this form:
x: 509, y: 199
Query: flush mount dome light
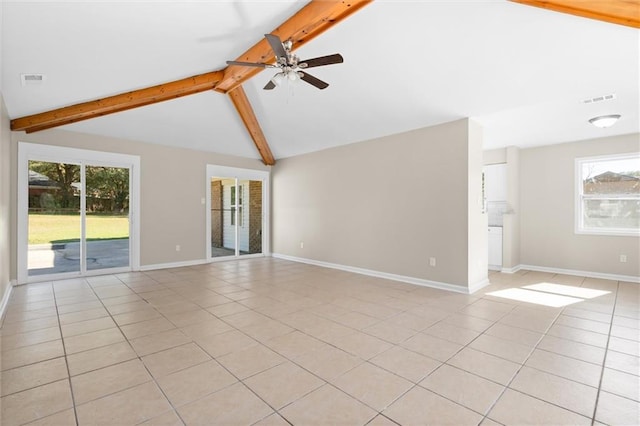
x: 605, y: 120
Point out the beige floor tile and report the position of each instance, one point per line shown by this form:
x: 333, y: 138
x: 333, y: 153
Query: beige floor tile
x: 411, y: 321
x: 464, y: 388
x: 506, y: 349
x: 87, y: 326
x: 356, y: 320
x: 207, y: 328
x: 267, y: 330
x: 515, y: 408
x: 389, y: 332
x: 99, y: 358
x: 78, y: 307
x: 405, y: 363
x: 514, y: 334
x: 170, y: 418
x: 623, y: 362
x: 584, y: 324
x: 327, y: 406
x: 245, y: 319
x: 579, y: 335
x: 626, y: 333
x: 283, y: 384
x: 569, y: 368
x: 328, y: 362
x: 127, y: 318
x: 622, y: 384
x: 251, y: 360
x: 72, y: 317
x: 19, y: 316
x: 372, y: 385
x: 452, y: 333
x: 63, y: 418
x: 29, y: 338
x: 108, y: 380
x: 226, y: 309
x: 432, y: 347
x: 145, y: 328
x: 27, y: 326
x: 235, y: 405
x: 615, y: 410
x: 195, y: 382
x: 468, y: 321
x: 488, y: 366
x: 31, y: 354
x: 569, y: 348
x: 556, y: 390
x: 131, y: 406
x: 95, y: 339
x: 488, y: 422
x: 629, y: 347
x: 32, y: 404
x: 590, y: 315
x: 147, y: 345
x: 420, y: 406
x: 183, y: 319
x: 381, y: 420
x: 225, y: 343
x: 175, y: 359
x: 294, y: 344
x: 533, y: 320
x: 272, y: 420
x: 33, y: 375
x: 361, y: 345
x: 129, y: 306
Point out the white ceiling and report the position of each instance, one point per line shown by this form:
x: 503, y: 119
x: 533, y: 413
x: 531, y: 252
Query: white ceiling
x: 520, y: 71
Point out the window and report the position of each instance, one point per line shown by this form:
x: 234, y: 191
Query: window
x: 233, y: 205
x: 608, y: 195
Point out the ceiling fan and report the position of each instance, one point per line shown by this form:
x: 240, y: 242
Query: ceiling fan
x: 291, y: 67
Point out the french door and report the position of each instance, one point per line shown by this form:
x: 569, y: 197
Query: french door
x: 237, y: 202
x: 76, y: 212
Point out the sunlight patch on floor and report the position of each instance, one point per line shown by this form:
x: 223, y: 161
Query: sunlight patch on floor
x: 537, y: 297
x: 584, y: 293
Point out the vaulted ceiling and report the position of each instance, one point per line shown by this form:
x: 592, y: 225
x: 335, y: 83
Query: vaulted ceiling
x: 522, y: 72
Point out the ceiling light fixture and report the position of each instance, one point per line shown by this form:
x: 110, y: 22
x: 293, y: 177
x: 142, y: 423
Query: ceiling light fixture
x: 604, y: 121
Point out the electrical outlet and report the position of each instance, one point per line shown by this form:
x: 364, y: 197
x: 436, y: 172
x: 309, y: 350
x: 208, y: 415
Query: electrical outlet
x: 178, y: 247
x: 623, y: 258
x: 301, y: 244
x: 432, y: 261
x: 203, y: 201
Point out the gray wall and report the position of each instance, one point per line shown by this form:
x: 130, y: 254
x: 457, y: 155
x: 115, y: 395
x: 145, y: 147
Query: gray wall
x: 387, y: 205
x: 547, y: 205
x: 172, y: 185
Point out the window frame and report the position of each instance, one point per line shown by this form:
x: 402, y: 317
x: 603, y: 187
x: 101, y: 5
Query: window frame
x: 579, y: 196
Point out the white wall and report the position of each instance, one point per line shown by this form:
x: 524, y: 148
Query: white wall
x: 173, y: 183
x: 387, y: 205
x: 5, y: 197
x: 547, y: 205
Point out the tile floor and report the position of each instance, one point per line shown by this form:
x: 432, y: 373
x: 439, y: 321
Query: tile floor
x: 271, y: 342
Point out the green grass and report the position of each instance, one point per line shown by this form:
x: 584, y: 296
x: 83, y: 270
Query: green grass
x: 45, y: 228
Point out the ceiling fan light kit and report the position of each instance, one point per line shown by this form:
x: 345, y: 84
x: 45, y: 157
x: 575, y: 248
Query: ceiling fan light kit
x: 290, y: 64
x: 604, y: 121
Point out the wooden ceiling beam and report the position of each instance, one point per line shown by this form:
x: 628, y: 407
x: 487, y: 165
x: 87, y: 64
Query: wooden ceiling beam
x: 117, y: 103
x: 241, y: 102
x: 622, y: 12
x: 309, y: 22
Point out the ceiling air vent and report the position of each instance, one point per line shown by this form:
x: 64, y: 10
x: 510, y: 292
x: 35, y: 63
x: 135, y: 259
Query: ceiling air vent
x: 32, y: 79
x: 600, y: 99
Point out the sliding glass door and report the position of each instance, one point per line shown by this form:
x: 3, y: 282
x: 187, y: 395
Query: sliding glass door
x: 75, y: 215
x: 236, y: 216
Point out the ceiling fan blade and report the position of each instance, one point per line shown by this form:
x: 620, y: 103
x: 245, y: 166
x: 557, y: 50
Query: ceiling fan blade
x: 276, y: 45
x: 270, y: 85
x: 313, y: 80
x: 250, y: 64
x: 322, y: 60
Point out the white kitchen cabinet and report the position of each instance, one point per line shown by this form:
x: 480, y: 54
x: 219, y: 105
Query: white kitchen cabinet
x: 495, y: 182
x: 495, y: 248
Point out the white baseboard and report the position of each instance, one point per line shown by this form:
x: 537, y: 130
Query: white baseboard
x: 511, y: 270
x: 589, y: 274
x: 172, y: 265
x: 386, y: 275
x: 5, y: 299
